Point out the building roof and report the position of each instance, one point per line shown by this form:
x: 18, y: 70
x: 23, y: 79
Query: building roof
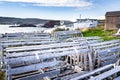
x: 113, y: 13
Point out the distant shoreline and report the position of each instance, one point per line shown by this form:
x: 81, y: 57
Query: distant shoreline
x: 25, y: 25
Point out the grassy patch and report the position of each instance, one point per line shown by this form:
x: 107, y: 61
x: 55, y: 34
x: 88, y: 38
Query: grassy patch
x: 2, y: 75
x: 99, y: 31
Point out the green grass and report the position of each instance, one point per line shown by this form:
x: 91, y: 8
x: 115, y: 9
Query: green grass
x: 99, y: 31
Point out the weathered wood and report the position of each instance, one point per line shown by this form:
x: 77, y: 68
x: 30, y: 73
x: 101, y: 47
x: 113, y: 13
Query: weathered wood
x: 117, y: 78
x: 33, y: 55
x: 54, y: 50
x: 28, y: 43
x: 42, y: 75
x: 85, y: 38
x: 107, y: 51
x: 109, y: 62
x: 106, y: 43
x: 69, y: 76
x: 27, y: 40
x: 112, y: 20
x: 34, y: 67
x: 38, y: 47
x: 93, y: 72
x: 109, y: 57
x: 107, y: 73
x: 106, y: 46
x: 36, y: 58
x: 20, y: 34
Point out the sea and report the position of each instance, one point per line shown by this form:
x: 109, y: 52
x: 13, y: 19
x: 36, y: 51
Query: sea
x: 6, y: 29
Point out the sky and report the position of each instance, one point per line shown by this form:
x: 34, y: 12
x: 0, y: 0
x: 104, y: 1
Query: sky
x: 58, y: 9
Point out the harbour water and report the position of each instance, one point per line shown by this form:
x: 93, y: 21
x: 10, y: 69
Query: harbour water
x: 7, y: 29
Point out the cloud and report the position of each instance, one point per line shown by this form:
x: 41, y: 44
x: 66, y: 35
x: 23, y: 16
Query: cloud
x: 56, y: 3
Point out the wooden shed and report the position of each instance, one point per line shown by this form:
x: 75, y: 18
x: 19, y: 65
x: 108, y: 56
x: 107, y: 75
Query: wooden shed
x: 112, y: 20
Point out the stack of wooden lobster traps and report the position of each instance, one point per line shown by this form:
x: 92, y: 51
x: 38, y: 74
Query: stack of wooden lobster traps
x: 40, y: 56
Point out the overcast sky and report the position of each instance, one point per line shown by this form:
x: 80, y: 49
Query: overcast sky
x: 58, y: 9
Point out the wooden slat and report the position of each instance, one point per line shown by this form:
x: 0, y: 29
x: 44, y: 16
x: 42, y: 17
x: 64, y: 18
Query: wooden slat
x: 34, y: 67
x: 106, y: 43
x: 106, y: 46
x: 28, y: 43
x: 107, y: 73
x: 39, y: 76
x: 36, y: 58
x: 93, y: 72
x: 110, y: 57
x: 107, y: 51
x: 109, y: 62
x: 27, y: 40
x: 117, y: 78
x: 32, y: 53
x: 38, y: 47
x: 20, y: 34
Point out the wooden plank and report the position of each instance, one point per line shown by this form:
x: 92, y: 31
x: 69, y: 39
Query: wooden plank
x: 93, y: 72
x: 107, y: 73
x: 109, y: 62
x: 37, y: 58
x: 21, y: 34
x: 42, y: 75
x: 2, y: 57
x: 13, y: 35
x: 28, y: 43
x: 117, y: 78
x: 16, y: 38
x: 34, y: 67
x: 109, y: 57
x: 89, y: 42
x: 95, y: 41
x: 107, y: 51
x: 106, y: 46
x: 85, y: 38
x: 72, y: 75
x: 106, y: 43
x: 38, y: 47
x: 32, y: 53
x: 27, y: 40
x: 79, y: 39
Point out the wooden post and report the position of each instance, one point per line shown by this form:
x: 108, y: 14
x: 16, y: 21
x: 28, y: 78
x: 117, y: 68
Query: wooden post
x: 2, y: 56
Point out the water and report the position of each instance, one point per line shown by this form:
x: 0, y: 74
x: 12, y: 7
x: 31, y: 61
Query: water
x: 7, y: 29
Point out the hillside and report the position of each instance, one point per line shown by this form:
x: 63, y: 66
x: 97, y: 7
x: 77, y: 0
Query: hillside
x: 13, y: 20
